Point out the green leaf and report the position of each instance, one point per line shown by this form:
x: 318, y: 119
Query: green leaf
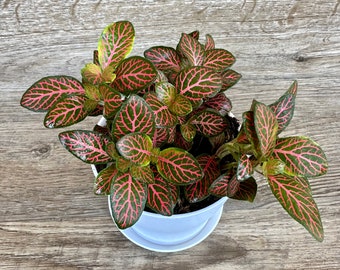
x: 244, y: 168
x: 143, y: 174
x: 134, y: 74
x: 92, y: 74
x: 188, y: 132
x: 266, y: 127
x: 136, y: 147
x: 115, y: 43
x: 66, y: 112
x: 128, y: 198
x: 47, y: 92
x: 135, y: 115
x: 218, y: 59
x: 88, y: 146
x: 191, y: 49
x: 112, y: 101
x: 302, y: 156
x: 178, y: 166
x: 208, y: 122
x: 297, y: 200
x: 181, y: 106
x: 166, y: 92
x: 246, y: 190
x: 103, y: 181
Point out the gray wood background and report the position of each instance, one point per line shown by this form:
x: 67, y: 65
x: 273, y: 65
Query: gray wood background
x: 49, y: 218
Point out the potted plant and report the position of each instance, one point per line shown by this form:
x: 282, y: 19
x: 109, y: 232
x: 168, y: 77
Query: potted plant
x: 167, y: 143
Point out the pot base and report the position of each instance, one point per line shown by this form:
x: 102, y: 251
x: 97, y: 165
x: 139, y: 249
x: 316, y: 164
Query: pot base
x: 160, y: 245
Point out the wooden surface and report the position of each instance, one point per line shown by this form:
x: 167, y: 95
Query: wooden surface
x: 49, y: 218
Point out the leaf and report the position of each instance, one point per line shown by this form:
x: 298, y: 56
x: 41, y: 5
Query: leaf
x: 160, y: 137
x: 208, y: 122
x: 246, y: 190
x: 302, y: 156
x: 135, y: 115
x: 220, y: 103
x: 112, y: 101
x: 220, y: 186
x: 191, y: 49
x: 92, y: 91
x: 199, y: 190
x: 181, y: 106
x: 209, y: 43
x: 92, y: 74
x: 166, y: 93
x: 178, y: 166
x: 128, y: 198
x: 159, y: 196
x: 164, y: 58
x: 163, y: 116
x: 103, y: 181
x: 266, y: 127
x: 134, y: 74
x: 198, y: 82
x: 244, y: 168
x: 136, y: 147
x: 283, y: 108
x: 45, y: 93
x: 218, y: 59
x: 188, y: 132
x: 298, y: 202
x: 66, y: 112
x: 229, y: 78
x: 142, y: 173
x: 233, y: 186
x: 88, y: 146
x: 249, y: 130
x: 115, y: 43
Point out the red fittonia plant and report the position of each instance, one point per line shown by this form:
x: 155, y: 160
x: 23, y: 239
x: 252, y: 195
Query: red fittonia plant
x: 169, y: 140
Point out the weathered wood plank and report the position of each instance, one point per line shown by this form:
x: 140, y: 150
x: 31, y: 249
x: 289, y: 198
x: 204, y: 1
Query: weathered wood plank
x: 49, y: 217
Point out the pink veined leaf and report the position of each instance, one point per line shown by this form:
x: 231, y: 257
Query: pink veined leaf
x: 166, y: 93
x: 45, y: 93
x: 181, y: 106
x: 233, y: 186
x: 302, y: 156
x: 160, y: 137
x: 209, y: 43
x: 92, y: 73
x: 66, y: 112
x: 178, y: 166
x: 135, y: 115
x: 134, y: 74
x: 103, y: 181
x: 115, y: 43
x: 163, y: 116
x: 244, y: 168
x: 217, y: 141
x: 246, y: 190
x: 88, y: 146
x: 112, y: 101
x: 143, y: 174
x: 136, y: 147
x: 198, y: 82
x: 242, y: 137
x: 188, y: 132
x: 208, y: 122
x: 266, y: 127
x: 159, y: 196
x: 128, y: 198
x: 220, y: 186
x: 195, y: 34
x: 250, y: 132
x: 164, y: 58
x: 229, y: 78
x: 283, y: 108
x: 298, y: 202
x: 218, y: 59
x: 220, y: 103
x: 200, y: 189
x: 191, y: 49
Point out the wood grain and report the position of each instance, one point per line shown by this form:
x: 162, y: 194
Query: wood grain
x: 49, y: 218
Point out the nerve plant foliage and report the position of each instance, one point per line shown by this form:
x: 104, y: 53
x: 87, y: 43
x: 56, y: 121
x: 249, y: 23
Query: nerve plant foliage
x: 169, y: 139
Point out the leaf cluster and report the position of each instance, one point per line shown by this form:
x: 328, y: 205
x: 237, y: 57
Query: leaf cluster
x: 169, y: 138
